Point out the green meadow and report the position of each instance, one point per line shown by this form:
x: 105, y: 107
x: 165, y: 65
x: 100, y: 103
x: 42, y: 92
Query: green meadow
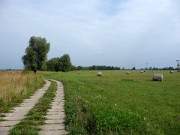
x: 119, y: 103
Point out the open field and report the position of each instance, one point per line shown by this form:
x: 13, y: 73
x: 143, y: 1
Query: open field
x: 117, y: 103
x: 15, y: 86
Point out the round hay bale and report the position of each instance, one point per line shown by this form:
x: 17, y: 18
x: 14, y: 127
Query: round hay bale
x: 99, y: 74
x: 128, y: 72
x: 158, y: 77
x: 142, y: 71
x: 171, y: 71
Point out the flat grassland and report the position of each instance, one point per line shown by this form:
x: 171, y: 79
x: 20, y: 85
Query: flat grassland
x: 15, y: 86
x: 120, y: 103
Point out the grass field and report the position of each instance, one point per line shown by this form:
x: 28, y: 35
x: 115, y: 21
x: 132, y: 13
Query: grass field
x: 15, y: 86
x: 117, y: 103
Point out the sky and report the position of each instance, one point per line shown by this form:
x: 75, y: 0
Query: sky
x: 122, y: 33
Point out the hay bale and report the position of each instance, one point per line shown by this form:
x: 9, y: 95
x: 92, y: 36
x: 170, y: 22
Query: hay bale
x: 171, y: 71
x: 143, y: 71
x: 128, y: 72
x: 99, y: 74
x: 158, y: 77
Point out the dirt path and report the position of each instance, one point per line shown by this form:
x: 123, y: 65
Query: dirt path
x: 18, y: 113
x: 54, y: 124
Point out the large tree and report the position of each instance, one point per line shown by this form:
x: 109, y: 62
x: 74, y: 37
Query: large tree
x: 36, y: 54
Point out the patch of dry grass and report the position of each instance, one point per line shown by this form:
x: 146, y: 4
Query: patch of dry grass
x: 15, y: 86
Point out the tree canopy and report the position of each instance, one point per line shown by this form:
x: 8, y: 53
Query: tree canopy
x: 65, y: 63
x: 60, y: 64
x: 53, y: 64
x: 36, y: 54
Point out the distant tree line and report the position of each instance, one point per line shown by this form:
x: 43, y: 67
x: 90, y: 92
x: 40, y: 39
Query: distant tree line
x: 158, y: 68
x: 96, y: 67
x: 35, y: 57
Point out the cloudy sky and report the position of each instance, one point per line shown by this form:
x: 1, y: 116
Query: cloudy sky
x: 102, y: 32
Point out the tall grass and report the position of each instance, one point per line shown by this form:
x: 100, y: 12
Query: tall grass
x: 15, y: 86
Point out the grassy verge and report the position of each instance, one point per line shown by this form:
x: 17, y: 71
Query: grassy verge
x: 120, y: 104
x: 36, y: 116
x: 16, y: 86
